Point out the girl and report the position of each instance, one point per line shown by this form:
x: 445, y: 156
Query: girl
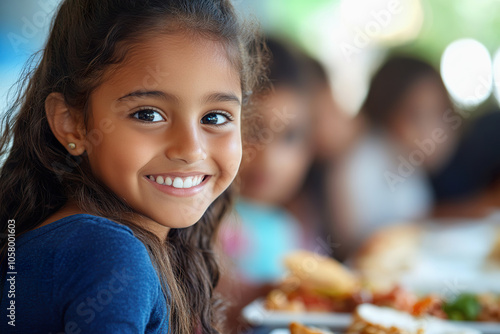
x: 128, y: 133
x: 407, y: 132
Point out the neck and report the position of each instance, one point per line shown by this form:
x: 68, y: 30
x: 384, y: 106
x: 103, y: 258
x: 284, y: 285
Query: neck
x: 152, y: 226
x: 71, y: 208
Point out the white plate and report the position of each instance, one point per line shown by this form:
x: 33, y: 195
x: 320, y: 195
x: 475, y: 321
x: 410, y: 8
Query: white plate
x: 257, y: 315
x: 280, y: 331
x: 287, y: 331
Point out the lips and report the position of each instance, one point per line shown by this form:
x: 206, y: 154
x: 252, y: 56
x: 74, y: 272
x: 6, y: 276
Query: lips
x: 178, y: 181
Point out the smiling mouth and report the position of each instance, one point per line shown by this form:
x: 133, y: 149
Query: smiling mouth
x: 178, y: 182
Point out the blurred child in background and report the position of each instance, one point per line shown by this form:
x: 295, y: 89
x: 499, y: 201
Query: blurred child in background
x: 273, y: 170
x: 275, y: 166
x: 409, y: 131
x: 333, y: 132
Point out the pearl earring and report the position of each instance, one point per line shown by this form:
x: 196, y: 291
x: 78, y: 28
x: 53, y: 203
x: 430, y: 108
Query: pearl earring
x: 72, y: 146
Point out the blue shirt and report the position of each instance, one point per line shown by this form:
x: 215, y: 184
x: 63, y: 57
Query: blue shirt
x: 265, y: 235
x: 83, y: 274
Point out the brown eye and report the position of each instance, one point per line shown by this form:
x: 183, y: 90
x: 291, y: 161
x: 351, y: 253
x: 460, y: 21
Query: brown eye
x: 215, y: 119
x: 148, y: 115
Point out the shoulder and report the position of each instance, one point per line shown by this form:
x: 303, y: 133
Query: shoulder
x: 89, y: 229
x: 97, y: 252
x: 95, y: 223
x: 101, y: 266
x: 99, y: 244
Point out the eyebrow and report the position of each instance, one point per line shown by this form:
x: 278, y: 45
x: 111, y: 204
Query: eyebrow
x: 210, y: 98
x: 222, y: 97
x: 150, y: 93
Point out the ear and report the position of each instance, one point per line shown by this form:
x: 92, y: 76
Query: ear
x: 65, y: 125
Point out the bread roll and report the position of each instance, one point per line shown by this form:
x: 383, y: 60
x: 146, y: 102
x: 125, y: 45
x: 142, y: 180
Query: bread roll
x: 321, y: 274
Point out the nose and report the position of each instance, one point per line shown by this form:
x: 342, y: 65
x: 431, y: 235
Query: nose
x: 185, y: 144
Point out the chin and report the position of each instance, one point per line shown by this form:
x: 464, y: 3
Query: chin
x: 185, y: 220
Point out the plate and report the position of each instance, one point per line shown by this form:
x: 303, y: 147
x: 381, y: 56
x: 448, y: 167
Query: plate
x: 257, y: 315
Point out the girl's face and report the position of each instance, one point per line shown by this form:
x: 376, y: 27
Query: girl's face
x: 164, y: 132
x: 420, y: 113
x: 280, y: 164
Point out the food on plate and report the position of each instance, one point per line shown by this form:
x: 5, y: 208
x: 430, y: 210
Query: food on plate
x: 464, y: 307
x: 490, y: 307
x: 368, y: 319
x: 374, y: 319
x: 430, y: 305
x: 396, y: 298
x: 387, y: 254
x: 320, y: 284
x: 316, y: 284
x: 296, y: 328
x: 278, y: 300
x: 321, y: 274
x: 494, y: 255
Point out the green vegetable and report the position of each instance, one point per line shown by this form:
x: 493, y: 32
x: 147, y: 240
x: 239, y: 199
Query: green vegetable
x: 464, y: 307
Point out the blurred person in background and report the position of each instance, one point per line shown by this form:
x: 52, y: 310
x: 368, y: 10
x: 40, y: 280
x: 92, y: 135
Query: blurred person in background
x: 273, y: 170
x: 334, y: 131
x: 468, y: 186
x: 409, y: 131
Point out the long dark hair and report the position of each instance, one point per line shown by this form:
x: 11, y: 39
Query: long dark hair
x: 38, y: 176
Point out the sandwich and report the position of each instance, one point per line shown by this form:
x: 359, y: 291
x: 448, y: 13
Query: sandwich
x: 316, y: 284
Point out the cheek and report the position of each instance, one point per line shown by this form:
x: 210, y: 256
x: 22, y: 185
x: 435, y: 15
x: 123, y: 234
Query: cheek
x: 404, y: 130
x: 118, y: 156
x: 296, y: 157
x: 227, y: 152
x: 301, y: 158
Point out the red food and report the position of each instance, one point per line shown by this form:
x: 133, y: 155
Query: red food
x: 397, y: 298
x: 431, y: 305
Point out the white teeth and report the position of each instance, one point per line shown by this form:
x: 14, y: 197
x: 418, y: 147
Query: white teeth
x: 188, y: 182
x: 197, y: 180
x: 178, y: 183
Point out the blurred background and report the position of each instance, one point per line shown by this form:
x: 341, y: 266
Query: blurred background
x: 350, y: 37
x: 384, y: 116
